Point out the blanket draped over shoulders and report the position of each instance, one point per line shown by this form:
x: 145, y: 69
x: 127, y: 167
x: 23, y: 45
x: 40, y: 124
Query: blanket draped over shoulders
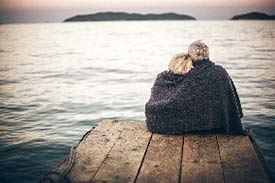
x: 205, y: 99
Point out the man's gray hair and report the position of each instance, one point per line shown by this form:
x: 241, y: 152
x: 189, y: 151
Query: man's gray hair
x: 198, y: 50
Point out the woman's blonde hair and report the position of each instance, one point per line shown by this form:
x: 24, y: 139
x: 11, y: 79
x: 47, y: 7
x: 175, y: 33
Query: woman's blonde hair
x: 180, y: 64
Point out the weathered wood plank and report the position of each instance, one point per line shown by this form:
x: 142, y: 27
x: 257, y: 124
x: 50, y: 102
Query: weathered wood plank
x: 202, y: 173
x: 201, y: 159
x: 163, y: 160
x: 240, y: 161
x: 91, y: 152
x: 124, y: 159
x: 201, y: 148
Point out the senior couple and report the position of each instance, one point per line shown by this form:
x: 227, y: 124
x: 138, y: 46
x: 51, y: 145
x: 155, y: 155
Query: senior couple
x: 194, y: 95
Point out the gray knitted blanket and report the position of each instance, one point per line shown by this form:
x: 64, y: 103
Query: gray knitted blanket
x: 204, y: 100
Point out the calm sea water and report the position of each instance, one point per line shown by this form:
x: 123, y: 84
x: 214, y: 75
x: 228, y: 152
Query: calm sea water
x: 59, y: 80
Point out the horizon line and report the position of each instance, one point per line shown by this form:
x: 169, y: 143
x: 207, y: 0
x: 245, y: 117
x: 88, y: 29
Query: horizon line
x: 134, y: 12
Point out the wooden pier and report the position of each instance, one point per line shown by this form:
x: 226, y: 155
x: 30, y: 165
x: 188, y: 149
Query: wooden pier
x: 123, y: 151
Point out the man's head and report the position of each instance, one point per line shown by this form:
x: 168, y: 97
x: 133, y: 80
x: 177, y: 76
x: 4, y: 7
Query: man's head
x: 198, y: 50
x: 180, y: 64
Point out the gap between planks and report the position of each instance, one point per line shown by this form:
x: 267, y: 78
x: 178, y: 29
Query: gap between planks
x: 201, y: 159
x: 143, y: 158
x: 121, y: 164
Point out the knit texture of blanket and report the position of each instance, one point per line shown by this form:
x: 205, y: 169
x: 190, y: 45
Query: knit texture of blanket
x: 205, y: 99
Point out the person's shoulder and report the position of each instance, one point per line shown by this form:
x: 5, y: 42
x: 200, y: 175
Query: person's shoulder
x: 220, y: 70
x: 162, y: 74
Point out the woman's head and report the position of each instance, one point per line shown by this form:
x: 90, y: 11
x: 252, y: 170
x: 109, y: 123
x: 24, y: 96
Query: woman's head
x: 198, y: 50
x: 180, y: 64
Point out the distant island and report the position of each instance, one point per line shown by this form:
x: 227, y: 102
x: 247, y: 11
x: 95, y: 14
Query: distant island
x: 253, y: 16
x: 112, y: 16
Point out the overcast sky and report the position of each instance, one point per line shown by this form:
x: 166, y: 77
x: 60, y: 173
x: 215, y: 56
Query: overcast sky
x: 12, y: 11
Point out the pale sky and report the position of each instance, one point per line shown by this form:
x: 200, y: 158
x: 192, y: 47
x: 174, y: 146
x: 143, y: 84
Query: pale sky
x: 58, y: 10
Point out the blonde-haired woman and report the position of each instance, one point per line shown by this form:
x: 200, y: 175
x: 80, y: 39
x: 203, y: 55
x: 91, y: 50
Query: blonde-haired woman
x: 180, y: 64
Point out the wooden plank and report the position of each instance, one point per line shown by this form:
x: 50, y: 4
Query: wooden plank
x: 202, y: 173
x: 91, y: 152
x: 163, y: 160
x: 240, y: 161
x: 201, y: 159
x: 123, y: 161
x: 201, y: 148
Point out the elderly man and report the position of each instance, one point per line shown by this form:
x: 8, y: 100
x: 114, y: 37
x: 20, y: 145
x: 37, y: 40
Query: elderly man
x: 203, y: 100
